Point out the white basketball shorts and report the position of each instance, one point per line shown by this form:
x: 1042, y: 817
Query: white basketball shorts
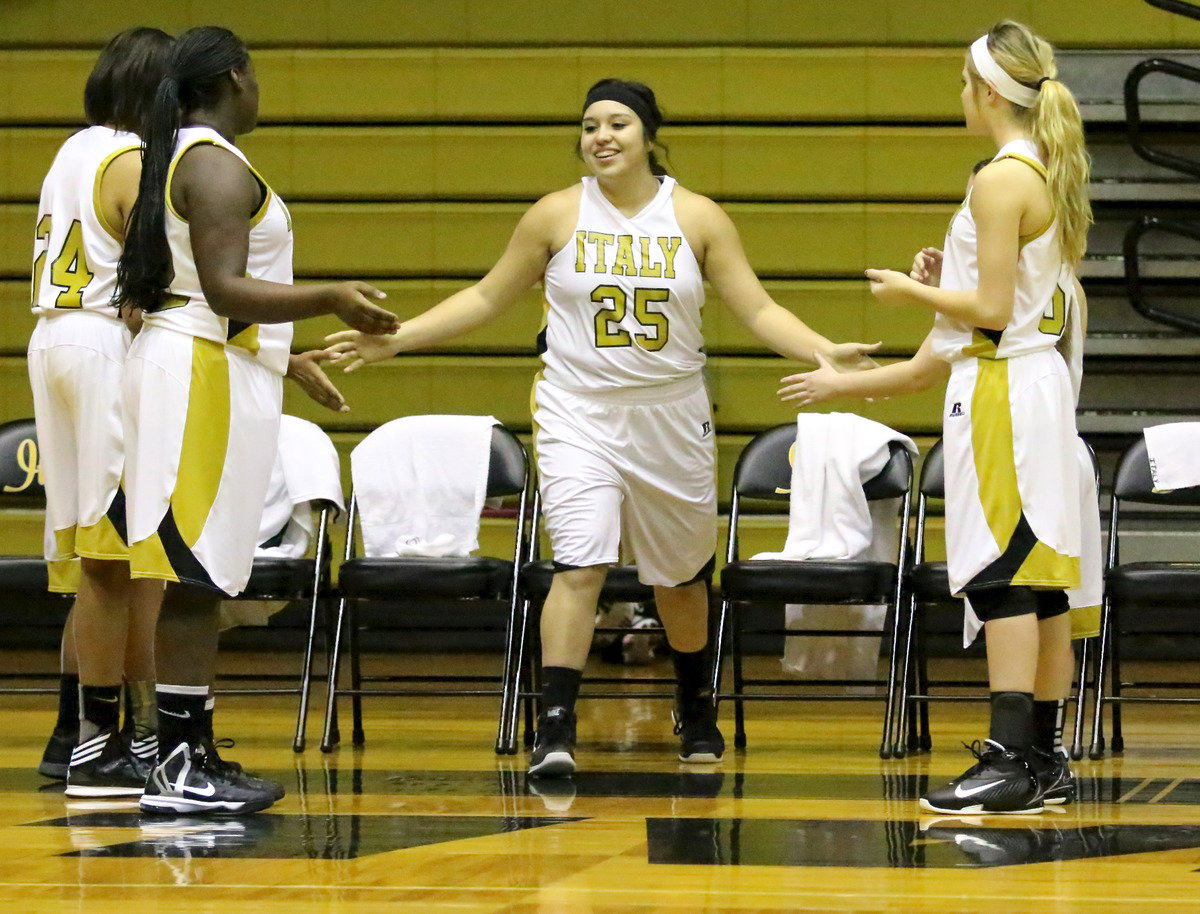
x: 75, y: 364
x: 635, y: 469
x: 202, y: 429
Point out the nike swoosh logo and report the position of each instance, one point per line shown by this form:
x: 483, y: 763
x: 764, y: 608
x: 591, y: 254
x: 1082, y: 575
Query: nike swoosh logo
x: 186, y: 715
x: 963, y: 794
x: 107, y: 701
x: 207, y: 791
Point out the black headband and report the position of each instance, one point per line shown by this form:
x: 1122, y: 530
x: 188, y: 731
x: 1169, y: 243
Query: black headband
x: 626, y: 97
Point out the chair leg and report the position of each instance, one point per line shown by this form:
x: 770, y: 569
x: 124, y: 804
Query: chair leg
x: 904, y: 704
x: 1118, y: 739
x: 306, y: 673
x: 1096, y: 749
x: 358, y: 737
x: 1081, y: 693
x: 924, y: 739
x: 330, y: 737
x: 718, y: 651
x: 739, y: 681
x: 518, y: 675
x: 509, y: 683
x: 889, y: 711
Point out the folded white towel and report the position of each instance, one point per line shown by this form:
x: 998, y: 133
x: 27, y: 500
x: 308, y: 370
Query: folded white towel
x: 830, y: 518
x: 1174, y: 452
x: 306, y: 470
x: 420, y: 479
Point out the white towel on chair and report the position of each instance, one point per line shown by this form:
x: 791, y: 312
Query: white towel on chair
x: 306, y: 470
x: 830, y: 518
x: 1174, y: 452
x: 420, y: 479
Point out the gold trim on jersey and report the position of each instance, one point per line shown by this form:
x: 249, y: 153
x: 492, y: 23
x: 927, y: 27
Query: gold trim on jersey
x: 1037, y: 166
x: 258, y: 215
x: 119, y: 237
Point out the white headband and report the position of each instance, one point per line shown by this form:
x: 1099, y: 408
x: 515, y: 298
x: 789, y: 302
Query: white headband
x: 995, y: 75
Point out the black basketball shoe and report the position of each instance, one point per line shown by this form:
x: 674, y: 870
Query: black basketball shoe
x: 700, y: 742
x: 554, y: 745
x: 57, y: 756
x: 188, y: 781
x: 1001, y: 781
x: 101, y: 766
x: 236, y: 772
x: 1055, y: 778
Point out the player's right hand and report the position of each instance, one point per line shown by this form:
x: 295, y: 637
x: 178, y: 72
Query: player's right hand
x: 352, y: 349
x: 927, y: 267
x: 351, y: 301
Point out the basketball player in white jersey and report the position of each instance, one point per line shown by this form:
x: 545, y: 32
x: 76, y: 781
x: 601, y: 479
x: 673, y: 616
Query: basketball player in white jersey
x: 625, y: 444
x: 1002, y: 292
x: 208, y: 259
x: 76, y: 354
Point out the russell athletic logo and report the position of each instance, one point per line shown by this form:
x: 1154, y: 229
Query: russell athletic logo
x: 956, y: 409
x: 705, y: 428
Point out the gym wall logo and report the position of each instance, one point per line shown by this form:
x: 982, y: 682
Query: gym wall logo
x: 26, y: 462
x: 956, y: 410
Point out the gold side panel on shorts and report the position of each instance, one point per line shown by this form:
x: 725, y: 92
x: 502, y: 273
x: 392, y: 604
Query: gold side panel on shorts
x: 205, y: 440
x: 1085, y: 622
x: 246, y: 339
x: 63, y: 576
x: 996, y: 469
x: 148, y: 559
x: 101, y: 541
x: 64, y: 541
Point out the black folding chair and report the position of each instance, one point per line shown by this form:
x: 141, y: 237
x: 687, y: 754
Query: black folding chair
x: 764, y: 472
x: 1152, y: 590
x: 21, y: 488
x: 412, y: 580
x: 929, y: 585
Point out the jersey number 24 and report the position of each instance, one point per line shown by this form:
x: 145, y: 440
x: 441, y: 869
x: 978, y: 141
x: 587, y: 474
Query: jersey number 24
x: 68, y: 271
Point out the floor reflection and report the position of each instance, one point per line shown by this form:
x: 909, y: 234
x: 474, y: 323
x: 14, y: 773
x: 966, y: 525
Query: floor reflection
x: 942, y: 843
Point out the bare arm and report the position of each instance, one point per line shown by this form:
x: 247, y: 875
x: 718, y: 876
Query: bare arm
x: 521, y: 265
x: 218, y: 195
x: 726, y: 267
x: 919, y: 373
x: 119, y: 190
x: 1000, y: 200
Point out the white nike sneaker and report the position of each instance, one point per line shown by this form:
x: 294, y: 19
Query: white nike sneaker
x: 189, y: 781
x: 1001, y: 781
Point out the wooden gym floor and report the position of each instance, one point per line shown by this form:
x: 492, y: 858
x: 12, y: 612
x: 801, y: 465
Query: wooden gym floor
x: 426, y: 817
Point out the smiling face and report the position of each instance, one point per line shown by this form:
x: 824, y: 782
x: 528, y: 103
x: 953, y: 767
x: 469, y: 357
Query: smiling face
x: 612, y: 141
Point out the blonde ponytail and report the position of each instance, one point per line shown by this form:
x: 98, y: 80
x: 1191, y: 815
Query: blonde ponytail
x: 1054, y: 124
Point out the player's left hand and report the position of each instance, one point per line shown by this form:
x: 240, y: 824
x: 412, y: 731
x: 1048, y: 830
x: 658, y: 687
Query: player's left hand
x: 305, y: 370
x: 850, y: 356
x: 812, y: 386
x: 891, y: 287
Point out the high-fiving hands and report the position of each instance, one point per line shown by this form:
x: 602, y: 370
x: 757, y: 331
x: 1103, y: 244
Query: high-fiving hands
x: 305, y: 370
x: 352, y: 349
x: 812, y: 386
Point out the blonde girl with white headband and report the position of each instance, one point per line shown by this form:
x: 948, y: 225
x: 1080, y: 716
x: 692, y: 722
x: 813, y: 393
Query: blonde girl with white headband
x: 1003, y: 293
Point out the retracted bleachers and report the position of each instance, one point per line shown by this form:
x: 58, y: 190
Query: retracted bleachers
x: 408, y: 137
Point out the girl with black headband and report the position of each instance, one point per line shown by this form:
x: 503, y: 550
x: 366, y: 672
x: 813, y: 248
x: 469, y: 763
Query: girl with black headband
x: 1004, y: 299
x: 625, y: 443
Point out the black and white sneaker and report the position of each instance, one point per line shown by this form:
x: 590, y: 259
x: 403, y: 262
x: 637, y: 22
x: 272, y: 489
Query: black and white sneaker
x: 102, y: 767
x: 1055, y: 778
x: 700, y: 741
x: 554, y: 745
x: 189, y: 781
x: 1001, y: 781
x: 57, y: 756
x: 235, y: 771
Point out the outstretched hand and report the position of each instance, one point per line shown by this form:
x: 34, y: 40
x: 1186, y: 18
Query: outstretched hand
x: 850, y: 356
x: 352, y: 349
x: 812, y: 386
x: 305, y: 370
x: 351, y: 302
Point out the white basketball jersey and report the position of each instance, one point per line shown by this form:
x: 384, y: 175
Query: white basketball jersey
x: 1045, y: 291
x: 623, y: 298
x: 75, y: 252
x: 270, y: 259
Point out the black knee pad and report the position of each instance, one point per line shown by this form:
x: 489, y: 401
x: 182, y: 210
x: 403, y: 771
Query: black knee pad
x: 1003, y: 602
x: 1050, y: 603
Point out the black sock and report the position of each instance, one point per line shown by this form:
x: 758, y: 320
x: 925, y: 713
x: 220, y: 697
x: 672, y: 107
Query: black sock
x: 68, y: 704
x: 180, y: 716
x: 693, y: 671
x: 99, y: 709
x: 210, y: 705
x: 1048, y: 720
x: 560, y: 686
x: 1012, y: 720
